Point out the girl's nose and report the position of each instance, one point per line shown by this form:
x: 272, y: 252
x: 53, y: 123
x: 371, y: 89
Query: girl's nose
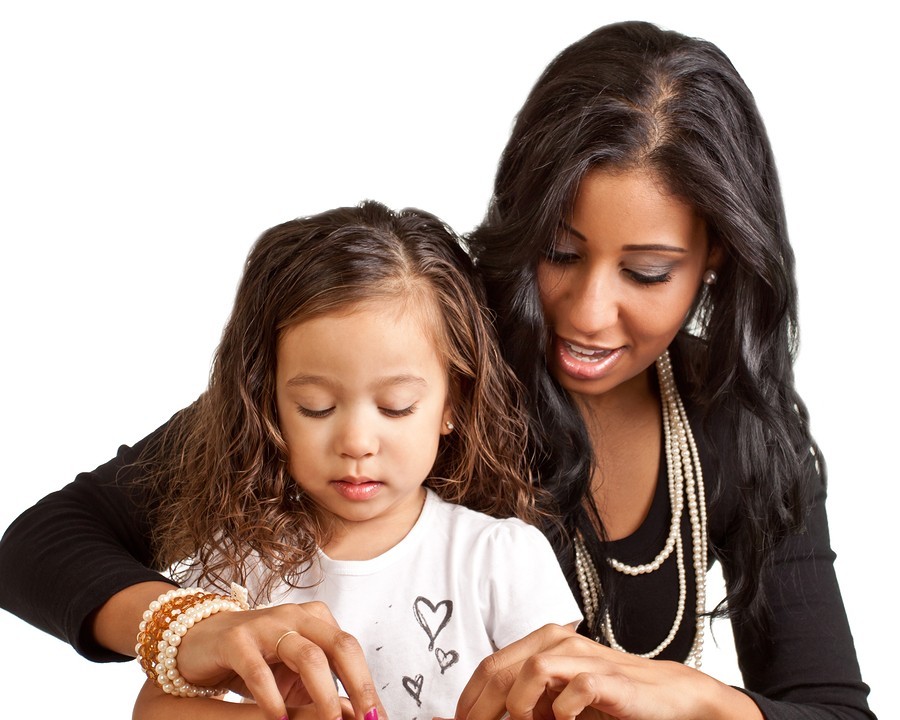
x: 594, y: 305
x: 356, y: 437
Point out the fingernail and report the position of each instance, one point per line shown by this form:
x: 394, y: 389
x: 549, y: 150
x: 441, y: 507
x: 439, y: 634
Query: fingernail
x: 371, y: 715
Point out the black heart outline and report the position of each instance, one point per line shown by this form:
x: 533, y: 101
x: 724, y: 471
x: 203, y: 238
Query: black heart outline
x: 446, y: 659
x: 423, y: 622
x: 414, y: 687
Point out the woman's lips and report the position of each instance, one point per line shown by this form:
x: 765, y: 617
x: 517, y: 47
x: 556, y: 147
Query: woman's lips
x: 357, y: 488
x: 583, y: 362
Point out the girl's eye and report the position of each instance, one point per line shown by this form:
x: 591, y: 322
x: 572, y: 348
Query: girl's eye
x: 307, y: 412
x: 403, y: 412
x: 650, y: 278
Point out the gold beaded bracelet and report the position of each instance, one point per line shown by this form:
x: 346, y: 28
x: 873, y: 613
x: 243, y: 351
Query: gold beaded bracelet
x: 166, y: 622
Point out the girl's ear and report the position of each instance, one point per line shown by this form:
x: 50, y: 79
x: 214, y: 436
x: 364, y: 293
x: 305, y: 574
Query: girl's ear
x: 447, y: 420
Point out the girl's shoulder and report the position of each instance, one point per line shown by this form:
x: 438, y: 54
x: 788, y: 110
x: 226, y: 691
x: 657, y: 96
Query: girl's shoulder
x: 479, y: 532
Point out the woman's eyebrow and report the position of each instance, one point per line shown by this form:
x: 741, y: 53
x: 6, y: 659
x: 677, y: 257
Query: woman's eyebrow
x: 568, y: 228
x: 648, y: 247
x: 654, y: 247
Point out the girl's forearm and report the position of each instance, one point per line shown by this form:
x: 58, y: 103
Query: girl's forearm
x: 153, y: 704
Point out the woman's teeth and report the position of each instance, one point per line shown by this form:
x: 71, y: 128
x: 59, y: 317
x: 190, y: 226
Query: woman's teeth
x: 586, y: 354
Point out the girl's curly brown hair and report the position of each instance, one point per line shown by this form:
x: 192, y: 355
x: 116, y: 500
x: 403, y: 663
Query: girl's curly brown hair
x: 228, y: 501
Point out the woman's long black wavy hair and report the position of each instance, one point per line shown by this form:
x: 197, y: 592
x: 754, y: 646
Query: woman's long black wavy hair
x: 634, y: 96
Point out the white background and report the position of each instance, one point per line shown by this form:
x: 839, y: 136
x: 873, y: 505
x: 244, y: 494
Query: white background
x: 144, y: 148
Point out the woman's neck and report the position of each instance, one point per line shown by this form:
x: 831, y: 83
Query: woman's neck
x: 625, y: 429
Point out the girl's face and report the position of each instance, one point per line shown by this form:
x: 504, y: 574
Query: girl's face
x: 619, y: 280
x: 362, y: 402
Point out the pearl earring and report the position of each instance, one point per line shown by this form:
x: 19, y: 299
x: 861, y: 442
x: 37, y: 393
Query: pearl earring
x: 449, y: 425
x: 710, y: 277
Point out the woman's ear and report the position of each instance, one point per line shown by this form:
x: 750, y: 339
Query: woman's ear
x: 715, y: 258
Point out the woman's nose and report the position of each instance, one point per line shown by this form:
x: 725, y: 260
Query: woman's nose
x: 593, y: 304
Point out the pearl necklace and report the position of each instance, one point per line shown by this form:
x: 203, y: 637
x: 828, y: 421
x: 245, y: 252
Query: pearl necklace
x: 685, y: 480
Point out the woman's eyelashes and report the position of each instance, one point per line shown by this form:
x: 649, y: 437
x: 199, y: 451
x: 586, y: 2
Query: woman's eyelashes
x: 559, y: 256
x: 652, y: 276
x: 386, y: 411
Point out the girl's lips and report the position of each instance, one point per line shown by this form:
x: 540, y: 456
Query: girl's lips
x: 585, y: 363
x: 357, y: 488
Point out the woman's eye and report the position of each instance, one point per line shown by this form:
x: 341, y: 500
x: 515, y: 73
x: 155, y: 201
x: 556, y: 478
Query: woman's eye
x: 650, y: 278
x: 307, y: 412
x: 403, y: 412
x: 560, y: 257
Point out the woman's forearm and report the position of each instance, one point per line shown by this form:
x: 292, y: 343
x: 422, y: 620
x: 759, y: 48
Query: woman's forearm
x: 115, y: 625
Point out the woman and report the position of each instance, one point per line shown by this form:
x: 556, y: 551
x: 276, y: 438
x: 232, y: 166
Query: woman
x: 637, y: 214
x: 637, y: 197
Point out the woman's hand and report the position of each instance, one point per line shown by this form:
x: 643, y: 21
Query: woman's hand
x: 237, y: 649
x: 556, y: 674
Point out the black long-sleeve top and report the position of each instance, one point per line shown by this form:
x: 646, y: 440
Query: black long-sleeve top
x: 65, y: 556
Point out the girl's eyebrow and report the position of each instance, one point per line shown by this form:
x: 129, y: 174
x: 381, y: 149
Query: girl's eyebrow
x: 300, y: 380
x: 403, y: 379
x: 649, y: 247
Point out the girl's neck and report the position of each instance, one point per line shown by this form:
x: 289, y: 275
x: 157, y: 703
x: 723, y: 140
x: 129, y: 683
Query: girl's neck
x: 367, y: 539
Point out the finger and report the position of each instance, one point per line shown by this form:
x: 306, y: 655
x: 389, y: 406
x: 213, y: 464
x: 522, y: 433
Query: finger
x: 350, y: 665
x: 308, y: 712
x: 484, y: 696
x: 308, y: 659
x: 574, y: 682
x: 250, y: 665
x: 317, y: 624
x: 607, y: 694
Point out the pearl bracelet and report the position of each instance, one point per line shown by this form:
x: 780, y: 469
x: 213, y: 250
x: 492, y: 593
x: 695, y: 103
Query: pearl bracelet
x: 166, y: 622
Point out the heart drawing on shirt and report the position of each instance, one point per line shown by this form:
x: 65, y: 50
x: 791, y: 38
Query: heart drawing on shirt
x: 414, y: 687
x: 446, y: 659
x: 433, y: 618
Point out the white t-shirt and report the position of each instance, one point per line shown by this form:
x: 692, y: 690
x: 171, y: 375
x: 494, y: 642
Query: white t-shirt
x: 459, y: 586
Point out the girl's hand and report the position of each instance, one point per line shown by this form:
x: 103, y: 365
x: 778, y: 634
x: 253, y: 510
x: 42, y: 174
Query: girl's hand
x: 237, y: 649
x: 554, y: 673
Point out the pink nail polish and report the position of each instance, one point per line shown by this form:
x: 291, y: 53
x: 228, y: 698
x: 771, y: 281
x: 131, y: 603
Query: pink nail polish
x: 371, y: 715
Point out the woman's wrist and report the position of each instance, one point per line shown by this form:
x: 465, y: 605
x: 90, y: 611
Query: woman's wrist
x: 728, y: 703
x: 115, y: 623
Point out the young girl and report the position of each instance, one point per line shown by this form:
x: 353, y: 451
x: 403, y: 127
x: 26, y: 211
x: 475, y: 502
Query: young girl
x: 356, y: 403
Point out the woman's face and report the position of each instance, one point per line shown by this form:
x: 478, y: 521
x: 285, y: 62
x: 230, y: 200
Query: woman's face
x: 619, y: 280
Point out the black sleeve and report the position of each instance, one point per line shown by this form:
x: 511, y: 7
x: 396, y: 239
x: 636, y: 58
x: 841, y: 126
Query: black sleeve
x: 61, y: 559
x: 805, y: 667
